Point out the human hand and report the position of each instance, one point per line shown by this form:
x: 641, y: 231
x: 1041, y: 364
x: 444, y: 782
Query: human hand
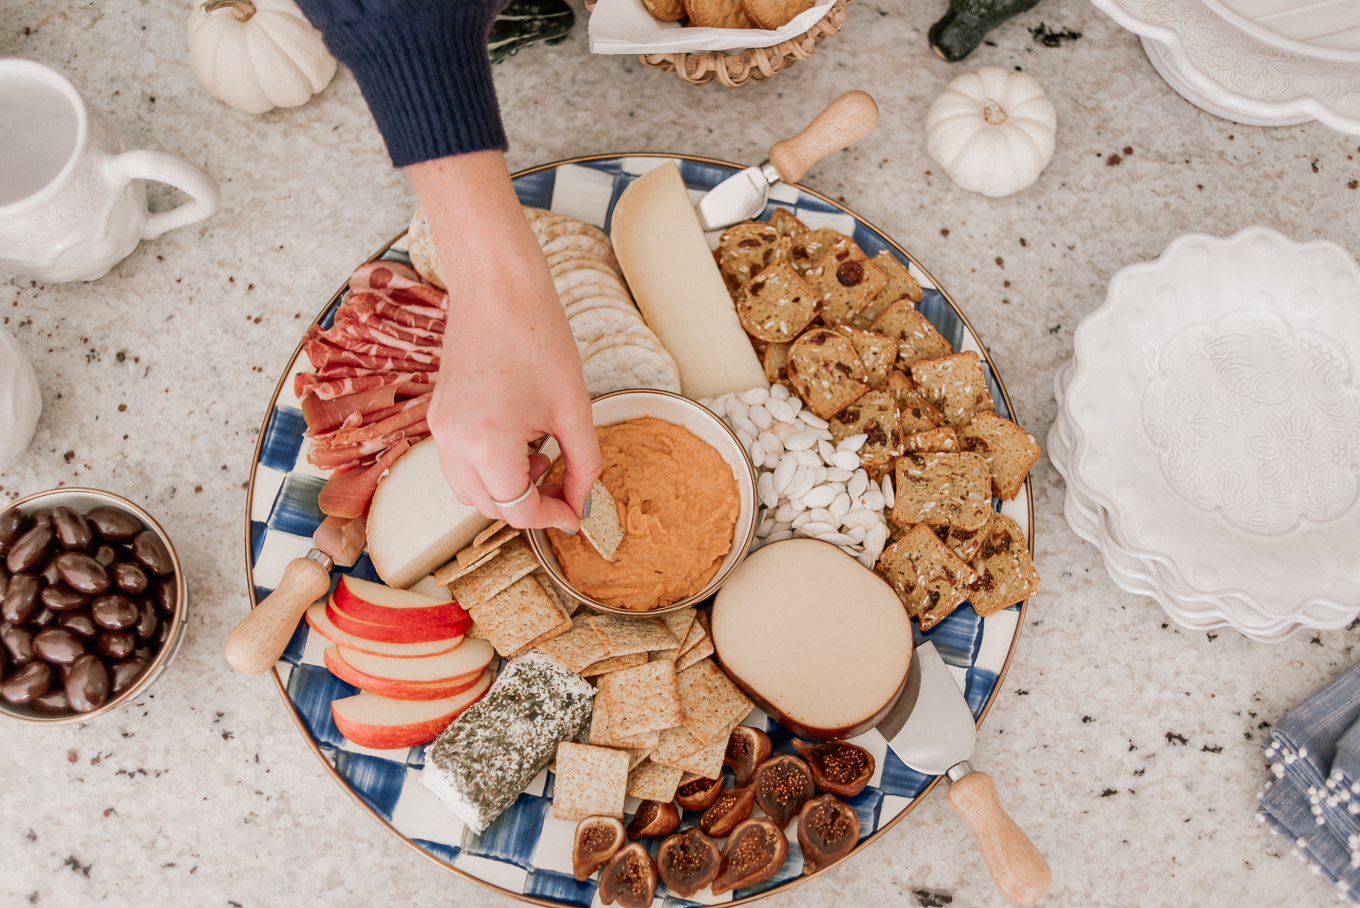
x: 510, y: 372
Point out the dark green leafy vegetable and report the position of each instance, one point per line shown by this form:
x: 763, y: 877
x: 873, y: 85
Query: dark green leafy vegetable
x: 967, y: 22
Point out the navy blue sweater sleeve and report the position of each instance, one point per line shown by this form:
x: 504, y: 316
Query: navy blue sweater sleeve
x: 423, y: 68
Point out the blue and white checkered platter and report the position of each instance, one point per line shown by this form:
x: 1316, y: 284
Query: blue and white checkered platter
x: 526, y: 853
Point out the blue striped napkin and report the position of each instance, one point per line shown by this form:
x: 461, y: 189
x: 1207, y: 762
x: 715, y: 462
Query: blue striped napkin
x: 1314, y: 753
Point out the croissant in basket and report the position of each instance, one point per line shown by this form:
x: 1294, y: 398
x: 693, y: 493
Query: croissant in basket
x: 773, y: 14
x: 770, y: 14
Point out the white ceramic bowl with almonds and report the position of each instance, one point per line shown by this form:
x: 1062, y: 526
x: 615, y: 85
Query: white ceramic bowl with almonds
x: 621, y: 406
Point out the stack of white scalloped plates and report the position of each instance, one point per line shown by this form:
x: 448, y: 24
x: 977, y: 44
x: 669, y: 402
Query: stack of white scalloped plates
x: 1258, y: 62
x: 1209, y: 433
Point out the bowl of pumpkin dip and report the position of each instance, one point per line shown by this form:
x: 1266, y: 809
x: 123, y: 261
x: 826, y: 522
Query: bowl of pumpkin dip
x: 686, y: 497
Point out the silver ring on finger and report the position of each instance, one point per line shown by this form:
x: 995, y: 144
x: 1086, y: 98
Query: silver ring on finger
x: 519, y: 500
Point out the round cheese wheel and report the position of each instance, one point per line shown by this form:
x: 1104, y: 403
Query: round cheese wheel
x: 818, y: 641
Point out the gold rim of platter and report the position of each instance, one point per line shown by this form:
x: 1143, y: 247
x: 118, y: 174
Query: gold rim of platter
x: 520, y: 896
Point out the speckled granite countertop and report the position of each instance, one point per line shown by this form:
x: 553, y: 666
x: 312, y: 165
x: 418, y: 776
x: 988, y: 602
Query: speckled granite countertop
x: 1127, y: 747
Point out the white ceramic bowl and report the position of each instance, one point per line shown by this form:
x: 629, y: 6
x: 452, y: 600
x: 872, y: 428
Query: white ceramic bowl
x: 83, y: 500
x: 621, y: 406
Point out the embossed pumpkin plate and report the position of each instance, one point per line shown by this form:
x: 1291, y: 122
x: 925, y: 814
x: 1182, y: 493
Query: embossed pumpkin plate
x: 526, y: 853
x: 1214, y: 417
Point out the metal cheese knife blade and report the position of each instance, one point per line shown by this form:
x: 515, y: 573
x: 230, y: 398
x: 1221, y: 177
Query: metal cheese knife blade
x: 937, y: 738
x: 845, y: 121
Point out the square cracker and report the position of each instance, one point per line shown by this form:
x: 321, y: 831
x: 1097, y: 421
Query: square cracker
x: 916, y: 337
x: 544, y: 637
x: 706, y: 762
x: 702, y: 650
x: 697, y: 632
x: 878, y: 352
x: 927, y: 576
x: 876, y: 416
x: 955, y: 384
x: 591, y: 782
x: 555, y: 591
x: 826, y: 371
x: 1008, y: 449
x: 786, y: 223
x: 602, y: 528
x: 712, y: 704
x: 514, y: 561
x: 679, y: 624
x: 577, y: 648
x: 474, y: 556
x: 675, y: 744
x: 613, y: 664
x: 484, y: 535
x: 900, y: 284
x: 518, y: 615
x: 1006, y: 573
x: 600, y: 734
x: 943, y: 440
x: 943, y: 490
x: 846, y: 279
x: 654, y: 782
x: 625, y: 636
x: 642, y: 699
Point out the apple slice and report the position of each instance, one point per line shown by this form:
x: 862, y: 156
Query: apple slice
x: 385, y: 724
x: 470, y: 657
x: 398, y: 690
x: 393, y: 633
x: 323, y: 625
x: 380, y: 604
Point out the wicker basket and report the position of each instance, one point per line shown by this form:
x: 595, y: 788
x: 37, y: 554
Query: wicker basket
x: 735, y: 70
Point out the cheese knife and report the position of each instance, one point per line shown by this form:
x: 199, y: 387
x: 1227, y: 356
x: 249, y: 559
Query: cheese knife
x: 845, y: 121
x: 937, y: 738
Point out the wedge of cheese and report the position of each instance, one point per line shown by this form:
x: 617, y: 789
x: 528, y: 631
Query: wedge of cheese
x: 414, y: 523
x: 820, y: 642
x: 661, y: 248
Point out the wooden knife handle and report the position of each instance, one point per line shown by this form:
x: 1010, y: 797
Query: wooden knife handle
x: 845, y: 121
x: 257, y: 642
x: 1018, y: 869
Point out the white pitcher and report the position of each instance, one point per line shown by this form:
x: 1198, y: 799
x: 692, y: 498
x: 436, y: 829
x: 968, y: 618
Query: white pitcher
x: 20, y: 401
x: 72, y: 200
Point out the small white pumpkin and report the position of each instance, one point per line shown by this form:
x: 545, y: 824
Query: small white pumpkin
x: 255, y: 55
x: 992, y: 131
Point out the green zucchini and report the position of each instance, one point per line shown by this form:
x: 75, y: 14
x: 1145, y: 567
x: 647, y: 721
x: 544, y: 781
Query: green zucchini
x: 967, y: 22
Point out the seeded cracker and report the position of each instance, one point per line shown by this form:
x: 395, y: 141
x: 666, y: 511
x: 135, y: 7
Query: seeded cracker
x: 876, y: 351
x: 654, y: 782
x: 712, y: 704
x: 515, y: 617
x: 1008, y: 449
x: 930, y: 579
x: 577, y: 648
x: 479, y: 765
x: 938, y: 441
x: 900, y: 284
x: 918, y: 414
x: 943, y: 490
x: 786, y: 223
x: 777, y: 304
x: 964, y: 543
x: 775, y: 360
x: 916, y: 337
x: 806, y: 249
x: 1006, y: 573
x: 846, y: 279
x: 875, y: 415
x: 826, y: 371
x: 625, y: 636
x: 613, y: 664
x: 602, y: 528
x: 642, y: 699
x: 955, y: 384
x: 590, y: 782
x: 744, y: 250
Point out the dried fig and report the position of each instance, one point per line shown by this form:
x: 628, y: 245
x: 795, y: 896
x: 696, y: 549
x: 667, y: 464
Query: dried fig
x: 732, y: 806
x: 688, y: 861
x: 838, y: 767
x: 699, y: 794
x: 597, y: 840
x: 629, y: 877
x: 754, y: 852
x: 654, y: 818
x: 828, y: 829
x: 747, y: 748
x: 783, y: 785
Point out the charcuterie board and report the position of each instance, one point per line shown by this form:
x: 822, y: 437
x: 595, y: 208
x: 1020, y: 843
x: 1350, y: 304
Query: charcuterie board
x: 526, y: 853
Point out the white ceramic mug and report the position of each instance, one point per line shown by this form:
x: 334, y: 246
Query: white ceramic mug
x: 72, y: 200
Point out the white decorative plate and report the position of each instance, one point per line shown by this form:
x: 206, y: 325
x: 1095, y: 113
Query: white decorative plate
x: 1219, y: 61
x: 1214, y: 415
x: 526, y: 853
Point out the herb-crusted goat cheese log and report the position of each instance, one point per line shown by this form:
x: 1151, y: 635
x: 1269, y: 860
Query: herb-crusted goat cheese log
x: 481, y: 763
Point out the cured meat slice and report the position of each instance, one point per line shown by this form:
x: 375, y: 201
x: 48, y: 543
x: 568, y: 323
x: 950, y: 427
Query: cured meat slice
x: 376, y: 332
x: 373, y: 308
x: 324, y: 416
x: 325, y: 356
x: 341, y: 383
x: 401, y: 282
x: 361, y: 454
x: 339, y: 336
x: 348, y: 492
x: 408, y: 413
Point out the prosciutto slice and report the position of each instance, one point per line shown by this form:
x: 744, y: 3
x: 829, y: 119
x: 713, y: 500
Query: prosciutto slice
x: 325, y: 356
x: 334, y: 458
x: 348, y: 491
x: 406, y: 414
x: 364, y: 342
x: 330, y: 387
x: 327, y: 415
x: 365, y: 313
x: 401, y: 282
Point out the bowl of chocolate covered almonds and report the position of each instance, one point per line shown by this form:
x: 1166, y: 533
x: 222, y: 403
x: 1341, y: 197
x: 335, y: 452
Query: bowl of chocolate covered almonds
x: 92, y: 605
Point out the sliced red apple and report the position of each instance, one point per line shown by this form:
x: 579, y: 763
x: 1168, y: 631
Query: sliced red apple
x: 469, y: 658
x: 393, y: 633
x: 380, y: 604
x: 398, y: 690
x: 323, y: 625
x: 386, y: 724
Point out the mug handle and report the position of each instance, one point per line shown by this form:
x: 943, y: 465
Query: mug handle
x: 166, y: 168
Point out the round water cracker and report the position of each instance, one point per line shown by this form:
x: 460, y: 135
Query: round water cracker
x: 530, y: 212
x: 572, y: 294
x: 625, y: 339
x: 591, y: 263
x: 633, y: 366
x: 578, y: 255
x: 563, y: 228
x: 599, y: 302
x: 579, y: 277
x: 590, y: 325
x: 583, y: 242
x: 543, y: 221
x: 420, y: 247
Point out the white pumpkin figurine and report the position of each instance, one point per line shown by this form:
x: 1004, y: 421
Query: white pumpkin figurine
x: 992, y: 131
x: 255, y: 55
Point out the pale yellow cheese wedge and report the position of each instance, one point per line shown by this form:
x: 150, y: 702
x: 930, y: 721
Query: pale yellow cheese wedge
x: 676, y: 283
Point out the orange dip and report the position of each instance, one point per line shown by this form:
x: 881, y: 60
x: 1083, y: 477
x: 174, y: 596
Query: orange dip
x: 678, y: 505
